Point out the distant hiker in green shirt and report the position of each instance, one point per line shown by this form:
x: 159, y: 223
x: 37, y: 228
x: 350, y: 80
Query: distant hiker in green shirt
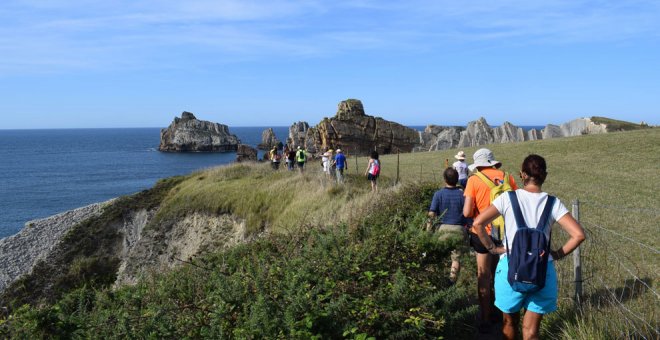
x: 301, y: 158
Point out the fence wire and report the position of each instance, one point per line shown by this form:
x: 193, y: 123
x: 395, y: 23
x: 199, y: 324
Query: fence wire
x: 619, y: 275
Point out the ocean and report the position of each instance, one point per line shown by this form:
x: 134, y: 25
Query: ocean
x: 46, y: 172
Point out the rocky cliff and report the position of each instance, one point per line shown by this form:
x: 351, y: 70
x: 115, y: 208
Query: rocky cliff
x: 117, y: 238
x: 246, y: 153
x: 478, y: 132
x: 297, y: 134
x: 190, y: 134
x: 269, y: 140
x: 358, y: 133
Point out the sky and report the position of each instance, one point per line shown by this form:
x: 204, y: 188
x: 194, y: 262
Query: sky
x: 140, y: 63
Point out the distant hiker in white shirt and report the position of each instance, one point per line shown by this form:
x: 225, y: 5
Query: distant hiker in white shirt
x: 462, y: 168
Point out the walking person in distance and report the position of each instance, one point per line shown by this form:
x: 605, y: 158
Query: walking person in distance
x: 462, y: 168
x: 373, y: 170
x: 341, y: 164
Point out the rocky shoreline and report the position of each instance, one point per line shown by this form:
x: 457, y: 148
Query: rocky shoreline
x: 20, y: 252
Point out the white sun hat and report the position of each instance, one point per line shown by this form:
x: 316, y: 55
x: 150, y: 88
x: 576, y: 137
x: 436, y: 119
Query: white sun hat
x: 485, y: 158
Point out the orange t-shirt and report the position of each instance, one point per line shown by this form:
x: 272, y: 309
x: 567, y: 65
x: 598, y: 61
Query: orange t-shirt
x: 479, y: 192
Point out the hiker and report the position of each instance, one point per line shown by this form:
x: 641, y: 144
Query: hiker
x: 301, y: 158
x: 448, y: 204
x: 477, y: 199
x: 462, y: 169
x: 275, y: 158
x: 341, y: 165
x: 285, y: 155
x: 325, y: 161
x: 332, y: 170
x: 531, y: 201
x: 291, y: 159
x: 373, y: 170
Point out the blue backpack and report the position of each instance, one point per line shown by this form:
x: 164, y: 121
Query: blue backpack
x: 528, y: 256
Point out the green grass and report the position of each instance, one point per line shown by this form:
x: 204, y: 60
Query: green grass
x: 279, y: 201
x: 369, y: 248
x: 616, y: 177
x: 617, y: 125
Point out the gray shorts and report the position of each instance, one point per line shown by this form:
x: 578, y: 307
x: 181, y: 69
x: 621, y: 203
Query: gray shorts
x: 445, y: 231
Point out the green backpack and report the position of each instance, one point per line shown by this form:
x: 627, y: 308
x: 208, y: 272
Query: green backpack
x: 497, y: 229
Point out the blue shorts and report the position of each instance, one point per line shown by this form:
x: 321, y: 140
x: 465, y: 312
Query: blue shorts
x: 509, y: 301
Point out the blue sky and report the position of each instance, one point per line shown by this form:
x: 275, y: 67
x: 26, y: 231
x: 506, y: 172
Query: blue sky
x: 139, y: 63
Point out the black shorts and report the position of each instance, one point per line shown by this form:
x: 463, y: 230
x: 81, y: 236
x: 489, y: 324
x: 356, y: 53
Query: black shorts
x: 479, y: 247
x: 372, y: 177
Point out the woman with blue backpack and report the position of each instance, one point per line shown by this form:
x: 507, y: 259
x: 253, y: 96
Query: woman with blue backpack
x: 525, y: 276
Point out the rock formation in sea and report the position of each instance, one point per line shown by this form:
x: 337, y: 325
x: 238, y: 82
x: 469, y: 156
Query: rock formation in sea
x: 358, y: 133
x: 245, y: 153
x: 269, y: 140
x: 188, y: 134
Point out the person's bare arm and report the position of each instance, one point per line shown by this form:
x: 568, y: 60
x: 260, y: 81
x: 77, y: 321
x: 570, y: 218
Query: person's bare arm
x: 575, y: 233
x: 479, y: 225
x: 468, y: 207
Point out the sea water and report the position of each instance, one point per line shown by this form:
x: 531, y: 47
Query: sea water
x: 45, y: 172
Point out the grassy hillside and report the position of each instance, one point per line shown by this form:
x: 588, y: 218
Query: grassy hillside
x: 617, y: 125
x: 340, y: 262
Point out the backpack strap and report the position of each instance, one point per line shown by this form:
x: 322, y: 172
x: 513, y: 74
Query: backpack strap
x: 485, y: 179
x: 490, y: 182
x: 520, y: 220
x: 545, y: 216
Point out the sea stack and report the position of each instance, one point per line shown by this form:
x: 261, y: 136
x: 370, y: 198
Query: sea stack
x: 358, y: 133
x: 188, y: 134
x: 269, y: 140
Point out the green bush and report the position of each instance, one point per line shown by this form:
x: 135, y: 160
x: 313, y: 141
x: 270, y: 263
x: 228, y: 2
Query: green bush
x: 383, y: 277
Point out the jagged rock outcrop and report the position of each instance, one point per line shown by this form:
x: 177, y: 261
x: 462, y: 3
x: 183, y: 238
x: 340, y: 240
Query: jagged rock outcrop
x: 269, y: 140
x: 358, y: 133
x: 190, y: 134
x: 436, y: 137
x: 534, y: 134
x: 297, y: 134
x: 245, y: 153
x: 551, y: 131
x: 480, y: 133
x: 582, y: 126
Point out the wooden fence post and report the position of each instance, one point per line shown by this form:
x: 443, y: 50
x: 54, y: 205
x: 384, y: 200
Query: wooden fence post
x: 577, y: 263
x: 397, y: 168
x: 356, y: 165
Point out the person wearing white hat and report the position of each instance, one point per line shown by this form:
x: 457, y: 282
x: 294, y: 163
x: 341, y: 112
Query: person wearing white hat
x: 462, y: 168
x: 477, y: 199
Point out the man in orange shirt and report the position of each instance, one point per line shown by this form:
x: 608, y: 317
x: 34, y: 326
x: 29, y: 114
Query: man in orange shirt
x: 477, y: 199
